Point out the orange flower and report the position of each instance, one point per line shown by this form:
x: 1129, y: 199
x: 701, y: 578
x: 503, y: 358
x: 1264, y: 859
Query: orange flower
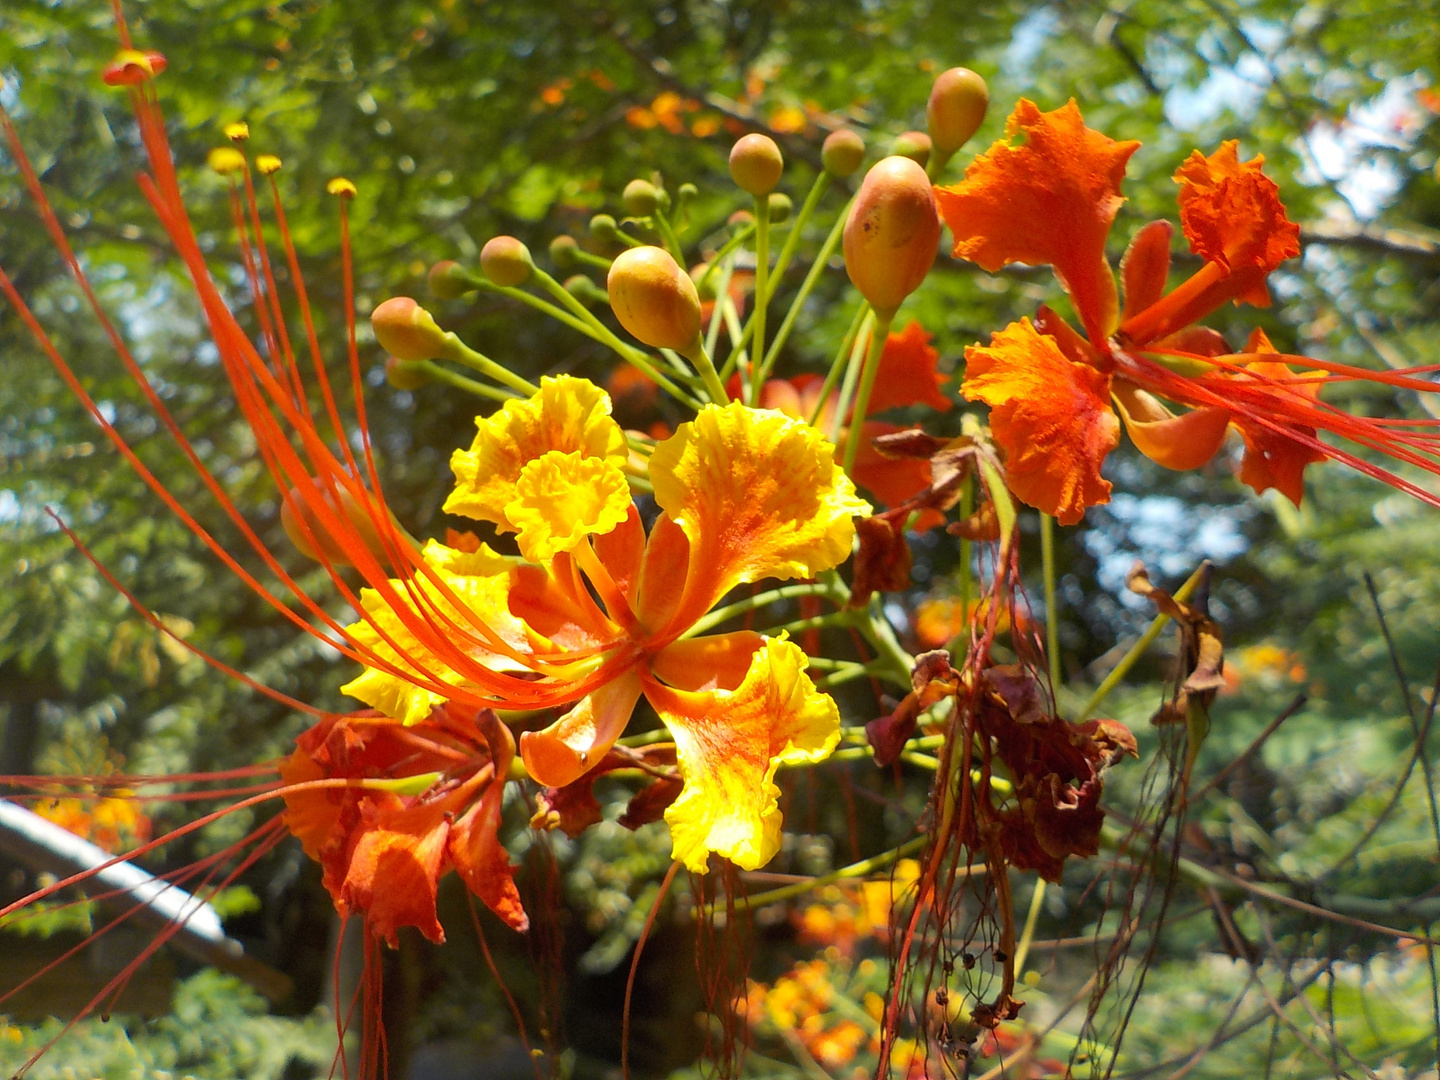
x: 1058, y: 398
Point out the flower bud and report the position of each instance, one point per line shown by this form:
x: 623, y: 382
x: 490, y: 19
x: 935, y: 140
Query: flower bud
x: 406, y: 330
x: 562, y: 252
x: 914, y: 145
x: 506, y: 261
x: 585, y: 290
x: 740, y: 218
x: 404, y: 374
x: 843, y: 152
x: 448, y: 280
x: 640, y: 198
x: 892, y: 233
x: 756, y: 164
x: 654, y: 299
x: 780, y: 207
x: 604, y: 229
x: 356, y: 528
x: 956, y: 108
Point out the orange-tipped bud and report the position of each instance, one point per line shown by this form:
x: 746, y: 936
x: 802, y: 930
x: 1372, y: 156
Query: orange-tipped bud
x: 780, y: 207
x: 843, y: 153
x: 563, y: 252
x: 756, y: 164
x: 892, y: 233
x: 130, y: 67
x: 956, y: 108
x: 448, y: 280
x: 506, y: 261
x: 740, y: 218
x: 314, y: 540
x: 914, y: 145
x: 640, y: 198
x: 406, y: 330
x: 405, y: 374
x: 654, y: 298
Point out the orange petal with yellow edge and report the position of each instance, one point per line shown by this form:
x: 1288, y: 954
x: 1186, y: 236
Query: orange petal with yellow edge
x: 1181, y: 442
x: 713, y: 662
x: 728, y: 744
x: 1047, y: 199
x: 1051, y: 416
x: 907, y: 374
x: 1231, y: 212
x: 566, y: 750
x: 662, y: 574
x: 759, y: 495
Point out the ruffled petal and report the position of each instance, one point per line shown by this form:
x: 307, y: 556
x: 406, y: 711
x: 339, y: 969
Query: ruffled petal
x: 1048, y: 199
x: 728, y: 744
x: 561, y: 498
x: 1050, y: 415
x: 907, y: 374
x: 1273, y: 459
x: 1231, y: 211
x: 480, y: 581
x: 568, y: 748
x: 568, y: 414
x: 759, y: 496
x: 394, y: 868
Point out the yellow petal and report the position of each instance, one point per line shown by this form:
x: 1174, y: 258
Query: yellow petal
x: 728, y: 744
x: 561, y: 498
x: 480, y: 581
x: 568, y: 414
x: 758, y: 494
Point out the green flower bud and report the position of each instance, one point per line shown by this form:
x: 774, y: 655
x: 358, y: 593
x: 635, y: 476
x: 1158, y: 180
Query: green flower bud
x: 404, y: 374
x: 562, y: 252
x: 892, y: 233
x: 756, y: 164
x: 956, y: 108
x: 843, y: 153
x: 640, y: 198
x: 780, y: 207
x: 448, y: 280
x: 406, y: 330
x: 506, y: 261
x: 585, y: 290
x: 914, y: 145
x: 604, y: 229
x: 654, y: 299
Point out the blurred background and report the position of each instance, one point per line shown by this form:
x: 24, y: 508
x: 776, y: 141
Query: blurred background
x: 459, y: 120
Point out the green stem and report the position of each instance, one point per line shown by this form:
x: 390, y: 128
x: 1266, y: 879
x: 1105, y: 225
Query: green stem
x: 725, y: 249
x: 590, y: 258
x: 854, y: 870
x: 717, y: 316
x: 797, y: 225
x: 838, y: 364
x: 740, y: 607
x: 762, y: 295
x: 457, y: 350
x: 1120, y: 670
x: 806, y: 288
x: 1052, y: 615
x: 883, y: 320
x: 852, y: 375
x: 1022, y: 951
x: 460, y: 382
x: 697, y: 355
x: 672, y: 242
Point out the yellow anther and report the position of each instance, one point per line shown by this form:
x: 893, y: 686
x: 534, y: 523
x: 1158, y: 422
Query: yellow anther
x: 226, y: 159
x: 266, y: 164
x: 342, y: 187
x: 239, y: 131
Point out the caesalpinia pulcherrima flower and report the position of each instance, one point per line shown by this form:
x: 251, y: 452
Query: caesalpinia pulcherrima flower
x: 1047, y: 194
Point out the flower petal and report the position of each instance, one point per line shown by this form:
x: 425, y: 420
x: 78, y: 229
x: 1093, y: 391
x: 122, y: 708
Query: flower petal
x: 1272, y: 460
x: 568, y: 414
x: 907, y: 374
x: 474, y: 843
x: 1181, y: 442
x: 568, y: 748
x: 1050, y: 415
x: 561, y: 498
x: 728, y: 744
x: 394, y: 868
x: 759, y: 496
x: 1048, y: 199
x: 1231, y: 211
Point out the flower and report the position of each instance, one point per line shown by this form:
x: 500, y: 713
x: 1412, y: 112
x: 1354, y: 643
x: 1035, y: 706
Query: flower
x: 745, y: 495
x: 1059, y: 398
